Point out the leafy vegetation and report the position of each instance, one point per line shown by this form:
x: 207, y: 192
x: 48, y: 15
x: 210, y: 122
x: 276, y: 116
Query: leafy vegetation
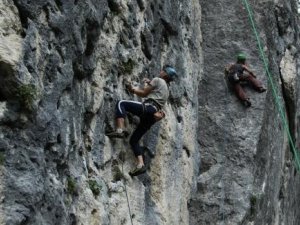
x: 253, y: 201
x: 26, y: 94
x: 117, y: 174
x: 95, y: 187
x: 71, y: 185
x: 127, y: 67
x: 2, y: 158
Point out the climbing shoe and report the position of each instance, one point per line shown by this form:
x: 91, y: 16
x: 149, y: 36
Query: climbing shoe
x: 115, y: 134
x: 247, y: 103
x: 262, y: 89
x: 137, y: 171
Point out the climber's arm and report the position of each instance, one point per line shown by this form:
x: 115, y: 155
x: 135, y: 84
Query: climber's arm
x: 249, y: 71
x: 142, y: 92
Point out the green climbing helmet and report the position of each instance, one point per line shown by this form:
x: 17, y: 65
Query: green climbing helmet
x: 241, y: 57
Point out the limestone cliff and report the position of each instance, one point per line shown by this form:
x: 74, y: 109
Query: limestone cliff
x: 63, y: 66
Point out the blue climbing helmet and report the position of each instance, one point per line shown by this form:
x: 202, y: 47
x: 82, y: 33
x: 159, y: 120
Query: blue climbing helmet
x: 170, y: 71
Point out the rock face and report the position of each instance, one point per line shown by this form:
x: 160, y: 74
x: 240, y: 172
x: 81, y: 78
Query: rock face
x: 63, y: 66
x: 246, y: 175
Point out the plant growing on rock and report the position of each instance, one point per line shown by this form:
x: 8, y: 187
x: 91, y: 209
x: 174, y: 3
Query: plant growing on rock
x: 71, y: 185
x: 127, y: 67
x: 117, y: 174
x: 95, y: 187
x: 26, y: 94
x: 2, y: 158
x: 253, y: 203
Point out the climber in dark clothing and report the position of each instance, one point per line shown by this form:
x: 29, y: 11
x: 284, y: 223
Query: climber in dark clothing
x: 236, y: 75
x: 156, y: 94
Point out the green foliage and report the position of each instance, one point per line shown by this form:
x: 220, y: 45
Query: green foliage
x: 117, y: 174
x: 71, y: 185
x: 127, y: 67
x: 95, y: 187
x: 253, y: 201
x: 2, y: 158
x: 26, y: 94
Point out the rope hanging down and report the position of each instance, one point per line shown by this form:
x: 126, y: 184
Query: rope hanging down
x: 276, y: 96
x: 125, y: 188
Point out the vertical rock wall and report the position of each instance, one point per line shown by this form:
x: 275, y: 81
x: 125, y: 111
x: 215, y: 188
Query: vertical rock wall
x: 63, y: 65
x: 247, y: 175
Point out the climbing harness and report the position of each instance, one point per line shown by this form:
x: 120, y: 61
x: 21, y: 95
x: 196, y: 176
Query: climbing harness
x: 153, y: 103
x: 273, y: 87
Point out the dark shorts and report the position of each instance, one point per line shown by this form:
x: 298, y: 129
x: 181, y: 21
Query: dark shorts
x: 145, y: 112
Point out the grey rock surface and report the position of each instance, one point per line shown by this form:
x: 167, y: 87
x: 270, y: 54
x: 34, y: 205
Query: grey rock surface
x: 59, y: 86
x: 63, y: 67
x: 246, y: 175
